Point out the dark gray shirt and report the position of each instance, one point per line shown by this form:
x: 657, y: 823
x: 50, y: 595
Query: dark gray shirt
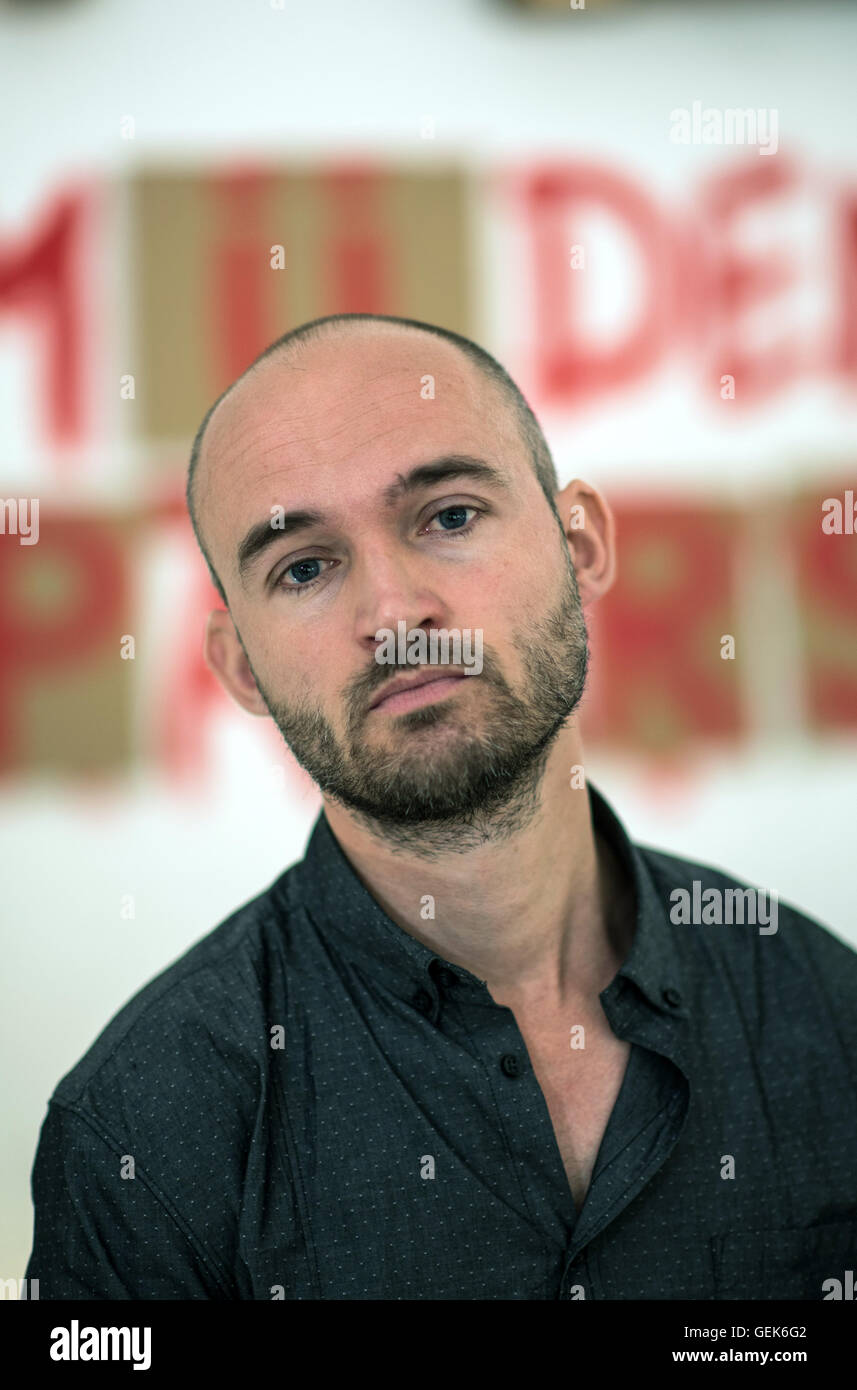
x: 311, y: 1104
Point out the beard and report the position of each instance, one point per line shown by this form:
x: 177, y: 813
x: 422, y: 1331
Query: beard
x: 436, y: 779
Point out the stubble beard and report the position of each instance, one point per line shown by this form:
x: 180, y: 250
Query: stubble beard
x: 441, y: 780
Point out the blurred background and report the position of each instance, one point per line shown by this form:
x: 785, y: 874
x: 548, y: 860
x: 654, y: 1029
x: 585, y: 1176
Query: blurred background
x: 647, y: 212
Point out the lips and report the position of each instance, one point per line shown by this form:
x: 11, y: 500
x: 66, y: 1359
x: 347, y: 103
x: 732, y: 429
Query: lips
x: 394, y: 687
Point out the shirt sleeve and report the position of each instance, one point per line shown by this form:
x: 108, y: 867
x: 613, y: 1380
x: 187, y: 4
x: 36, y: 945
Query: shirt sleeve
x: 99, y: 1235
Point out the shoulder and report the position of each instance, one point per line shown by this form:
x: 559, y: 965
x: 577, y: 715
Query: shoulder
x: 193, y: 1035
x: 780, y: 945
x: 168, y: 1094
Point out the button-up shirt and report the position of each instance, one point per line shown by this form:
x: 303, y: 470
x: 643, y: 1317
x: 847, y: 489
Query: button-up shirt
x: 313, y: 1104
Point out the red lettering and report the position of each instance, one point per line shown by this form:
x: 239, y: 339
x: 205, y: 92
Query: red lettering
x: 569, y: 367
x: 41, y: 279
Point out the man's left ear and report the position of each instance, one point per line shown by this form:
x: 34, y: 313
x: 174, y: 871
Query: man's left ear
x: 590, y: 530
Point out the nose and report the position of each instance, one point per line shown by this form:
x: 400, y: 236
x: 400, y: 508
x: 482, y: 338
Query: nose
x: 393, y: 590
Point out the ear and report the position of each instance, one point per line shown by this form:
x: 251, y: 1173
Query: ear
x: 224, y: 655
x: 590, y: 530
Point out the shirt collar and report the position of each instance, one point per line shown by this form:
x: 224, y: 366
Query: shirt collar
x: 343, y: 909
x: 654, y: 962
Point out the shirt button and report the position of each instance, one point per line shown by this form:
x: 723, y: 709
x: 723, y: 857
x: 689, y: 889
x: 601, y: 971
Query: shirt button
x: 446, y: 977
x: 423, y: 1001
x: 510, y: 1064
x: 671, y: 997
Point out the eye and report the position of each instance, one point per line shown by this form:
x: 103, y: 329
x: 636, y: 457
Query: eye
x: 305, y: 572
x: 455, y: 515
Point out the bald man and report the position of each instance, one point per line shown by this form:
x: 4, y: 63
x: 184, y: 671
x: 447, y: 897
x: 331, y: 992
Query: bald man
x: 477, y: 1044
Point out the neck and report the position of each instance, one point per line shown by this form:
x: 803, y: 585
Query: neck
x: 542, y: 913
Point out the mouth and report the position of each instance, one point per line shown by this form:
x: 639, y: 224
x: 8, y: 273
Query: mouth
x: 407, y: 695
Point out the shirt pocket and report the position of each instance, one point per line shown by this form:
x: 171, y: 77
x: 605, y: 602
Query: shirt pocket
x: 784, y: 1263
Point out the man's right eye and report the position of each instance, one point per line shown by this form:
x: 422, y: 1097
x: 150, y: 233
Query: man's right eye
x: 305, y: 573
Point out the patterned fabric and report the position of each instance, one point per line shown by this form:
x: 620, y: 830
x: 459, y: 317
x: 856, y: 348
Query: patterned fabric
x: 311, y: 1104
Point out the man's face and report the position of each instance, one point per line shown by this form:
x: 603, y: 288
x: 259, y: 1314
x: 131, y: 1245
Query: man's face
x: 336, y: 433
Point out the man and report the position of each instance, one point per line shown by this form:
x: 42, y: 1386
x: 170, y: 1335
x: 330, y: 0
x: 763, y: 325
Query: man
x: 477, y: 1044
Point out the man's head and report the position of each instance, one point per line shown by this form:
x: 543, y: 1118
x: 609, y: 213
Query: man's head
x: 287, y: 345
x: 367, y: 472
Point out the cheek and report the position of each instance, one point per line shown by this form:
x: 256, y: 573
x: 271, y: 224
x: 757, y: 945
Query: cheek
x: 280, y: 661
x: 310, y: 667
x: 506, y: 591
x: 298, y: 659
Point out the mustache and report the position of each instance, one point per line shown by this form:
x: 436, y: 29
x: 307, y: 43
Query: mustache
x: 362, y: 688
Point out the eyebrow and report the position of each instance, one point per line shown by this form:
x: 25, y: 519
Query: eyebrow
x: 263, y: 534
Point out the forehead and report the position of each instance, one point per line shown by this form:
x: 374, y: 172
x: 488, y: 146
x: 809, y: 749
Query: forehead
x: 337, y: 421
